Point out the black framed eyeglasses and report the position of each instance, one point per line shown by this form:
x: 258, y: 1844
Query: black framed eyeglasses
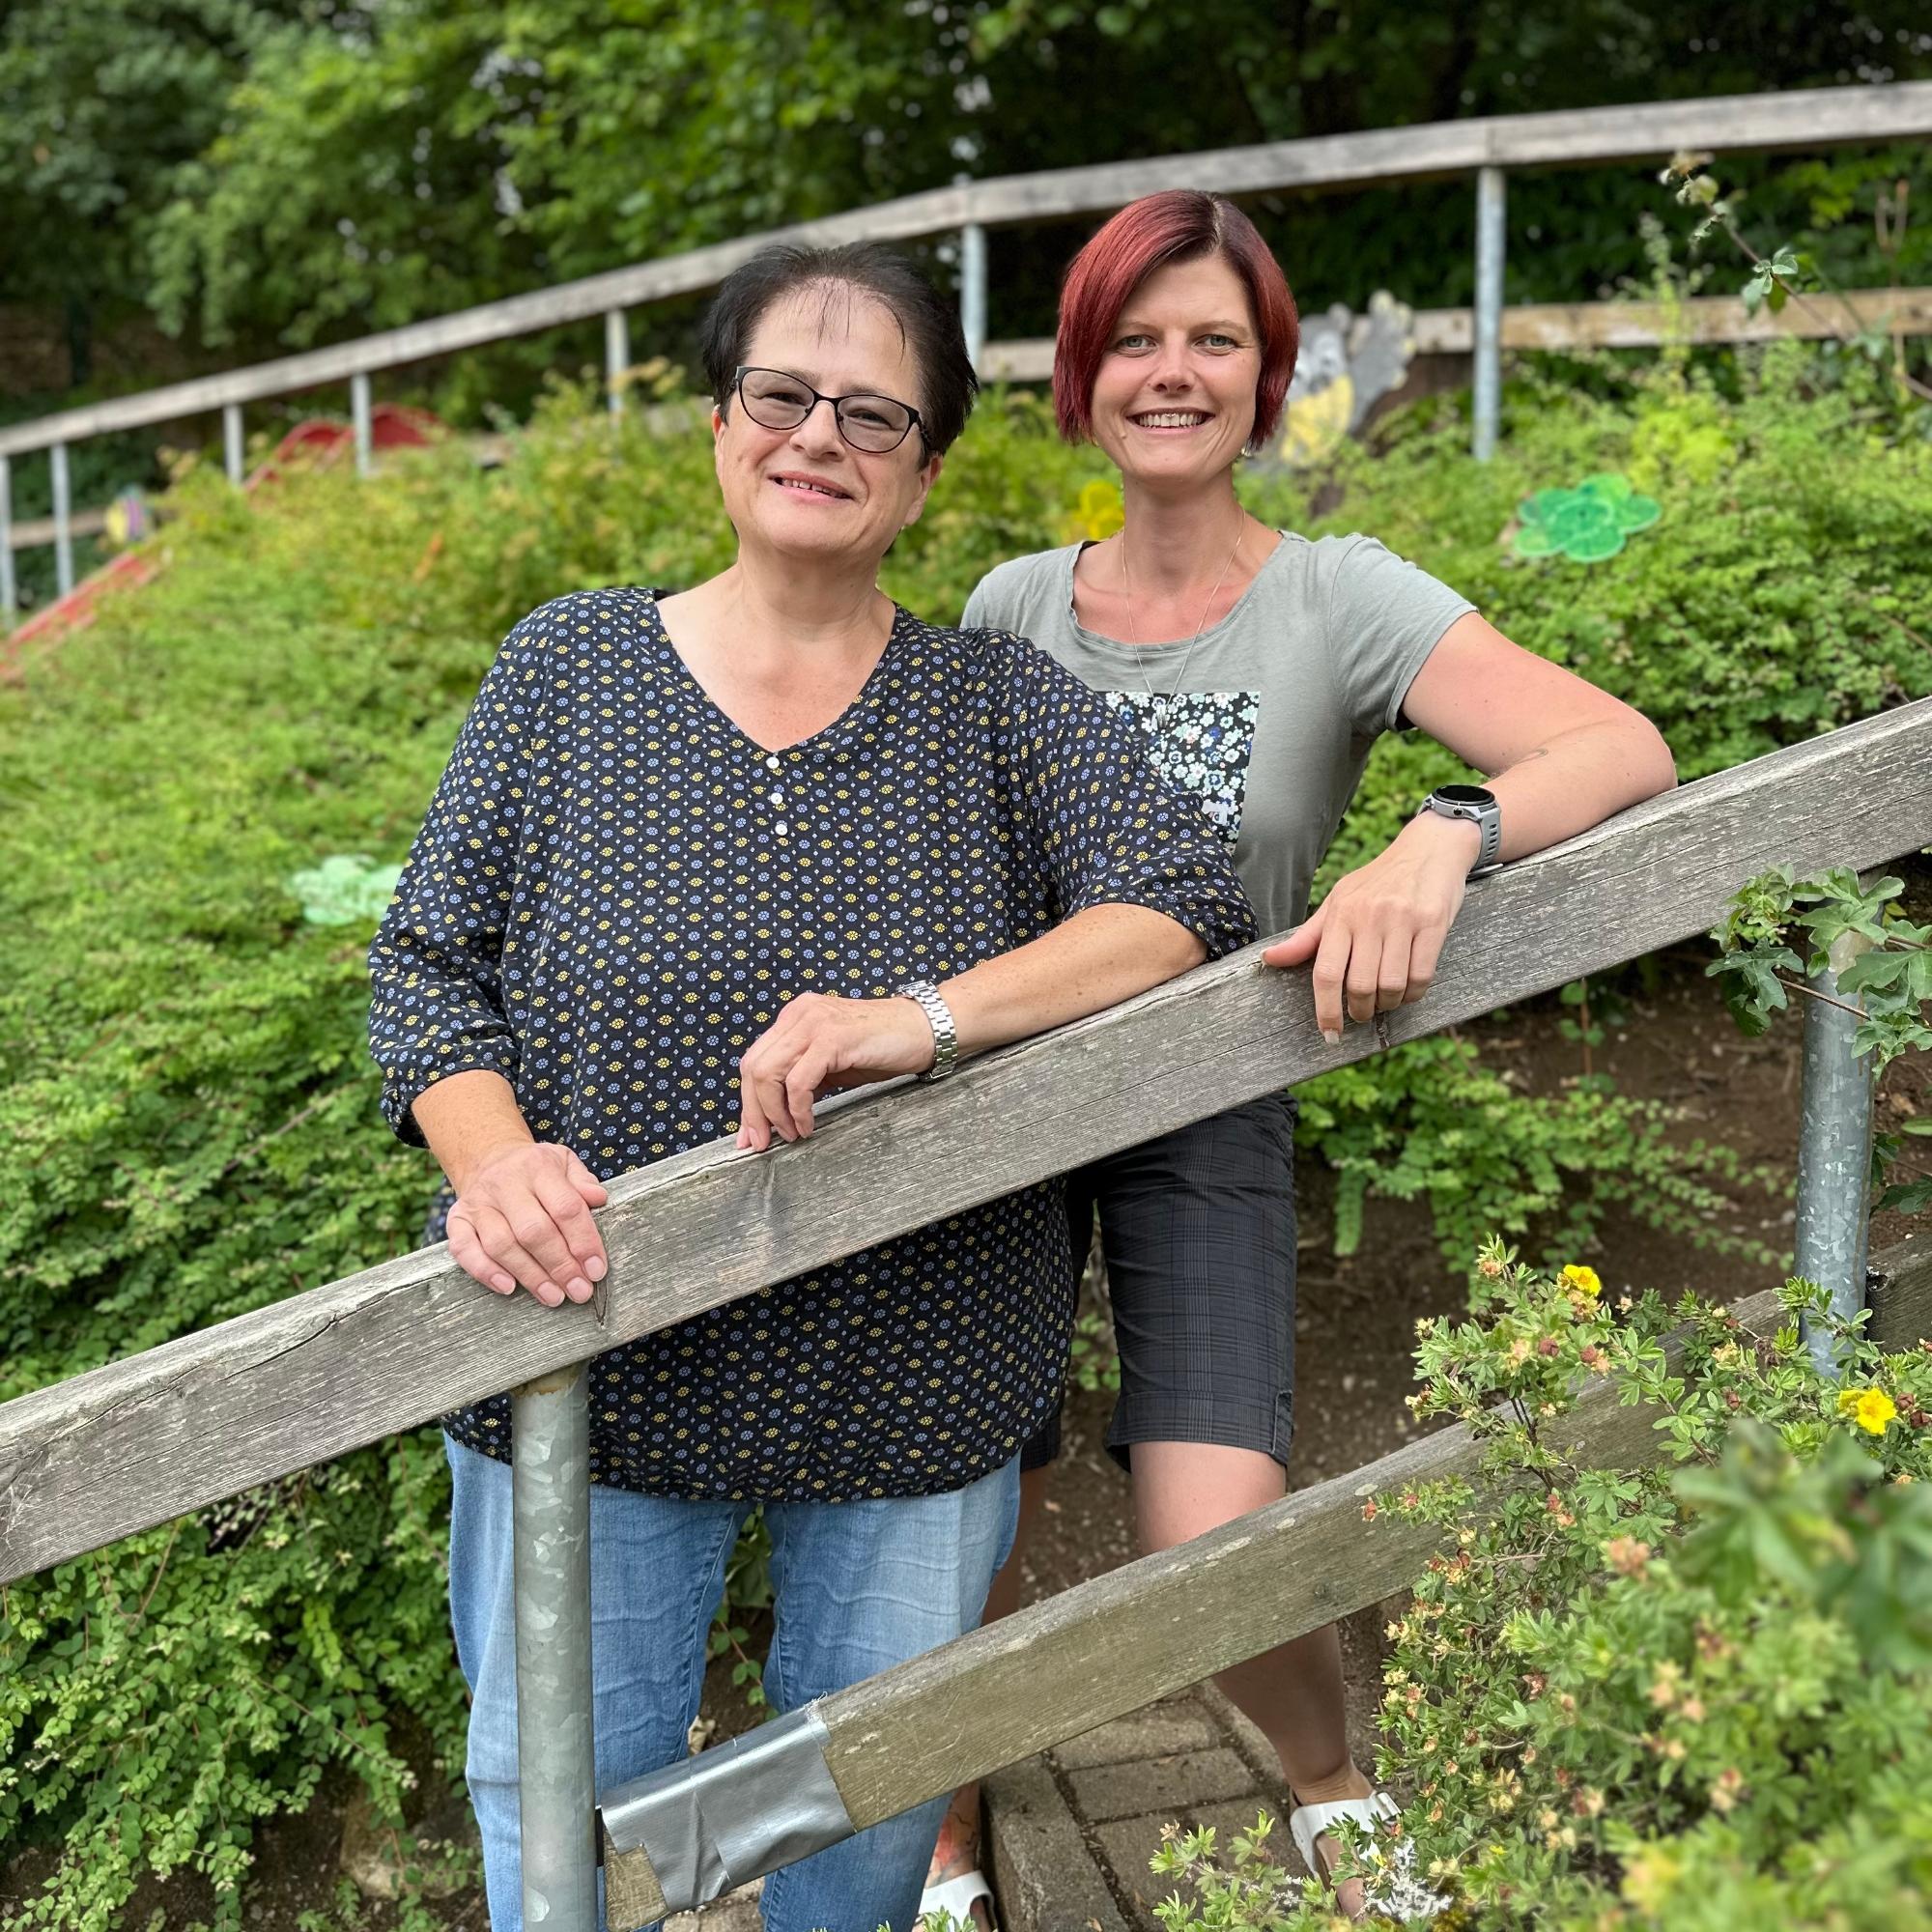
x: 774, y: 400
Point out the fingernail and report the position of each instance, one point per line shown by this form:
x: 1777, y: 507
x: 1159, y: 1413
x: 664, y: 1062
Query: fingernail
x: 594, y: 1269
x: 579, y: 1290
x: 1333, y: 1039
x: 549, y: 1294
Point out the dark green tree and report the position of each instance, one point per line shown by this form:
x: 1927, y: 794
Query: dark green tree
x: 102, y: 104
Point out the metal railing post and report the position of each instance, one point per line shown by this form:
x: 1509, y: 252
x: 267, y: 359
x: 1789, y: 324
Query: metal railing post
x: 63, y: 520
x: 1488, y: 309
x: 233, y: 451
x: 358, y: 409
x: 556, y: 1764
x: 1834, y: 1140
x: 973, y: 290
x: 8, y: 597
x: 616, y: 356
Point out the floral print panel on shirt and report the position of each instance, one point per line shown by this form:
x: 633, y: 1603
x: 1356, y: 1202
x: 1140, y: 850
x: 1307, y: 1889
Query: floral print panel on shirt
x: 1200, y: 742
x: 616, y: 892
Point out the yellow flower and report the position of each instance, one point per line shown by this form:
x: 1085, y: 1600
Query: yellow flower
x: 1583, y: 1279
x: 1870, y: 1409
x: 1100, y: 513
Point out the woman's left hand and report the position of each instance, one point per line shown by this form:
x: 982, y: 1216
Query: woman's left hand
x: 1375, y: 938
x: 818, y: 1044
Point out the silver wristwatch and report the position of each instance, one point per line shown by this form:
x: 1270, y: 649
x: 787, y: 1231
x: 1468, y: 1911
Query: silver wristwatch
x: 945, y: 1036
x: 1478, y: 805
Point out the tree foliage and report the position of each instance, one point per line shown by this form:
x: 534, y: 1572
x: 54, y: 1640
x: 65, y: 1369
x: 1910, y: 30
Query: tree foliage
x: 266, y: 171
x: 104, y: 104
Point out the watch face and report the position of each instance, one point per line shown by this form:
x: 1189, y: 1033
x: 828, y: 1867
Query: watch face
x: 1464, y: 795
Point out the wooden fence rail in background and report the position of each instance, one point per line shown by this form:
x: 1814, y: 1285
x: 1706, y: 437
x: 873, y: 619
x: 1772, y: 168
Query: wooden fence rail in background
x: 134, y: 1443
x: 1808, y: 118
x: 1817, y: 118
x: 1151, y: 1627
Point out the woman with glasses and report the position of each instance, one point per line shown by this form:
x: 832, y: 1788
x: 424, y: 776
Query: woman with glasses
x: 1261, y: 666
x: 696, y: 859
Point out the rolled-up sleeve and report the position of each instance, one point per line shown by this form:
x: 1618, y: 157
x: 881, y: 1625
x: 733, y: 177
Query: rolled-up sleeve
x: 1110, y: 831
x: 436, y: 964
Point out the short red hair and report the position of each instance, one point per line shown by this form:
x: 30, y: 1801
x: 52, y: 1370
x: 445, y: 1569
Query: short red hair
x: 1180, y: 224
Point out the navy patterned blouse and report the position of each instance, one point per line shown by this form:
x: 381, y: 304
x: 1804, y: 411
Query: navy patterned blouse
x: 616, y: 892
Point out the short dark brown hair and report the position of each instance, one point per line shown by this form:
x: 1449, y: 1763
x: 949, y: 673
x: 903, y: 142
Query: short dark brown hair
x: 927, y: 321
x: 1180, y: 224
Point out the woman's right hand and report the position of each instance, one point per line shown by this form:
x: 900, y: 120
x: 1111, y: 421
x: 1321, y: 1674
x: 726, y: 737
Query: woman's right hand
x: 523, y: 1214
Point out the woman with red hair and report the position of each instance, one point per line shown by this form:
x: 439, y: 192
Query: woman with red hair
x: 1263, y: 666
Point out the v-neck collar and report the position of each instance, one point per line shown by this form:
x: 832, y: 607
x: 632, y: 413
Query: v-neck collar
x: 827, y: 737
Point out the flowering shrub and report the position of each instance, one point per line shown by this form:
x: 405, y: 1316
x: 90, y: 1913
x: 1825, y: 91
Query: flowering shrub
x: 1698, y: 1695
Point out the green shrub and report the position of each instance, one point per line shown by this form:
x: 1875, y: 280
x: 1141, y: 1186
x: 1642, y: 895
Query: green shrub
x: 1430, y: 1121
x: 189, y: 1118
x: 1696, y: 1696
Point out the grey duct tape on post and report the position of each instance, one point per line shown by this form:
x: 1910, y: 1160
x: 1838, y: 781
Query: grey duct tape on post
x: 732, y: 1814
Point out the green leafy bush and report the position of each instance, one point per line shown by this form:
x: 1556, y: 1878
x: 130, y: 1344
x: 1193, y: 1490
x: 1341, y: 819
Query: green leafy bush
x: 1885, y: 967
x: 1689, y: 1697
x: 190, y: 1124
x: 1430, y: 1121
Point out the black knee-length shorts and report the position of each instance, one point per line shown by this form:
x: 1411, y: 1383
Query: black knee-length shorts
x: 1197, y: 1229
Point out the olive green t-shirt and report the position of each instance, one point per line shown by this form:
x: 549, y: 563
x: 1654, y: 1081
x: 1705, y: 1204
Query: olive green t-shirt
x: 1280, y: 701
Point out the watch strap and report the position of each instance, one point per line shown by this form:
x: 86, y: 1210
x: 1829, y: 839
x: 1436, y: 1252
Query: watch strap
x: 1487, y: 817
x: 939, y: 1016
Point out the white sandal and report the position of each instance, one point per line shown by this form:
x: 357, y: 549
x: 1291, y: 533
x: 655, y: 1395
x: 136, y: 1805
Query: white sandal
x: 1396, y: 1892
x: 1307, y: 1822
x: 958, y: 1896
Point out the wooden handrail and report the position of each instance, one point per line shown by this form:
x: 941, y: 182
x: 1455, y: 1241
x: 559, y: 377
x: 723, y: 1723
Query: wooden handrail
x: 1151, y: 1627
x: 1808, y: 118
x: 1603, y: 324
x: 137, y: 1441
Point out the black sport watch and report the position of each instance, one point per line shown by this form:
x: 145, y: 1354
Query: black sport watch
x: 1478, y: 805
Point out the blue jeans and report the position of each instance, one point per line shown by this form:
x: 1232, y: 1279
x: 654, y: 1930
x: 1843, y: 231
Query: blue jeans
x: 859, y: 1587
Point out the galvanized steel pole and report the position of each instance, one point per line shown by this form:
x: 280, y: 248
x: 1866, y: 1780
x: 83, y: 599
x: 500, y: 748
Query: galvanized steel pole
x: 616, y: 356
x: 1835, y: 1148
x: 63, y: 520
x: 557, y: 1766
x: 233, y: 450
x: 1488, y: 309
x: 8, y: 597
x: 973, y: 289
x: 358, y: 409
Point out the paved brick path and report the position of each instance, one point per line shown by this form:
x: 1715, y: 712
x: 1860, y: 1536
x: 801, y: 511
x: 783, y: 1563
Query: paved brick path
x: 1071, y: 1831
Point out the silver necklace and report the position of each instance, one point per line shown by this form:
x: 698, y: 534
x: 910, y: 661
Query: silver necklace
x: 1161, y: 717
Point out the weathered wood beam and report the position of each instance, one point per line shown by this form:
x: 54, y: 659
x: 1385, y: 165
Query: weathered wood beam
x: 1151, y: 1628
x: 137, y: 1441
x: 1610, y: 324
x: 1645, y: 131
x: 1812, y: 117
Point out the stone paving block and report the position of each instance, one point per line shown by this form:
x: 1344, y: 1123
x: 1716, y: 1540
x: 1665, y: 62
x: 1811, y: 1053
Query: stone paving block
x: 1161, y: 1730
x: 1127, y: 1844
x: 1230, y: 1820
x: 1044, y: 1879
x: 1166, y: 1784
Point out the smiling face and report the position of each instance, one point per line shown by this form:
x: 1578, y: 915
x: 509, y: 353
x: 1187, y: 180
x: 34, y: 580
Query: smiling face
x: 1173, y: 397
x: 806, y: 493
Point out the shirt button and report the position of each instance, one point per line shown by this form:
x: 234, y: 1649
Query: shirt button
x: 778, y: 799
x: 772, y: 762
x: 780, y: 827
